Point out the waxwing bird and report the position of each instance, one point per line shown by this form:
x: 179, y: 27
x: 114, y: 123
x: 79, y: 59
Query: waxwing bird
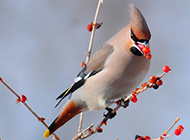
x: 116, y: 69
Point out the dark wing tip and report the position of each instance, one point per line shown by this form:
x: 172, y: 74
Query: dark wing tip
x: 59, y: 102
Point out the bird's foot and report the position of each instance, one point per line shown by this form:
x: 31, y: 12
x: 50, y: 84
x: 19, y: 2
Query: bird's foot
x: 123, y: 103
x: 110, y: 115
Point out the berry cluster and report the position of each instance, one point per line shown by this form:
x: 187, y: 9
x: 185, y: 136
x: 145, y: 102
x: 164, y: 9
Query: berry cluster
x: 97, y: 25
x: 137, y: 137
x: 156, y: 81
x: 179, y: 130
x: 146, y: 52
x: 134, y: 96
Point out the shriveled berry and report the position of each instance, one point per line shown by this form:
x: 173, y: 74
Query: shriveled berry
x: 55, y: 137
x: 23, y: 98
x: 166, y: 69
x: 137, y: 136
x: 99, y: 130
x: 148, y: 56
x: 155, y: 86
x: 146, y: 50
x: 90, y: 130
x: 1, y: 80
x: 98, y: 25
x: 159, y: 82
x: 153, y: 79
x: 177, y: 132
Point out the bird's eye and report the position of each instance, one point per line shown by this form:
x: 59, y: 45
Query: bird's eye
x: 135, y: 39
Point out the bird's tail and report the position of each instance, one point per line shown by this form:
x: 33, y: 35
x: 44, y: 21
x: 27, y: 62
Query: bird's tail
x: 68, y: 113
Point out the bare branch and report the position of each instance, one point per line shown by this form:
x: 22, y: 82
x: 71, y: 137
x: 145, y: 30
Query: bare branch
x: 27, y: 106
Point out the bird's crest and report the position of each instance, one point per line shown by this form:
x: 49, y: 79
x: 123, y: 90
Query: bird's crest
x: 138, y: 23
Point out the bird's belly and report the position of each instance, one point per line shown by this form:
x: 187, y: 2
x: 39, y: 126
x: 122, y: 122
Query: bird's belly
x: 101, y: 95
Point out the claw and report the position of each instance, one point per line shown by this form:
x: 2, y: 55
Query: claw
x: 123, y: 103
x: 109, y: 115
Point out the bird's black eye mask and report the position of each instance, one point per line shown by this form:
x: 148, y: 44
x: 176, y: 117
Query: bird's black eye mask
x: 135, y: 39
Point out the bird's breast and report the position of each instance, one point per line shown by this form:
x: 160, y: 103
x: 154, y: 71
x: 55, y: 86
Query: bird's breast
x: 116, y: 80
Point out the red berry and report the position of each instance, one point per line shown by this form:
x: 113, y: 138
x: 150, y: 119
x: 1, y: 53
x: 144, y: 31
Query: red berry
x: 138, y: 139
x: 117, y: 102
x: 146, y: 50
x: 103, y: 122
x: 153, y: 79
x: 147, y: 138
x: 17, y: 100
x: 180, y: 127
x: 148, y: 56
x: 23, y: 98
x: 41, y: 119
x: 177, y: 132
x: 143, y: 85
x: 164, y: 134
x: 89, y: 27
x: 137, y: 89
x: 159, y: 82
x: 134, y: 99
x: 161, y: 138
x: 82, y: 64
x: 166, y: 69
x: 90, y: 130
x: 99, y: 130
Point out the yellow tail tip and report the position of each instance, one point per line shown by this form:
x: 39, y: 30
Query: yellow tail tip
x: 47, y: 133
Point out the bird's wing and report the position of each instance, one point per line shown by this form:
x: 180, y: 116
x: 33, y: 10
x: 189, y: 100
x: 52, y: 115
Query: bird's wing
x: 94, y: 66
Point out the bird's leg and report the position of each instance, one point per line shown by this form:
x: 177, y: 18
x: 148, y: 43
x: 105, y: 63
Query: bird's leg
x: 123, y: 103
x: 110, y: 115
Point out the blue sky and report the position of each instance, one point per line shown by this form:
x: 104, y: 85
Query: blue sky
x: 42, y: 44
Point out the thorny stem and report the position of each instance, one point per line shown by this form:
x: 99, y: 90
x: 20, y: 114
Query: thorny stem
x: 88, y: 55
x: 27, y: 106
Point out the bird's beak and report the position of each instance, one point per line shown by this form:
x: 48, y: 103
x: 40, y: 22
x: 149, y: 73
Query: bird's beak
x: 140, y: 46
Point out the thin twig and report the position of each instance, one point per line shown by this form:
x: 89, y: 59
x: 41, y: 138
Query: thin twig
x: 172, y: 125
x: 93, y: 31
x: 89, y: 54
x: 27, y: 106
x: 169, y: 130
